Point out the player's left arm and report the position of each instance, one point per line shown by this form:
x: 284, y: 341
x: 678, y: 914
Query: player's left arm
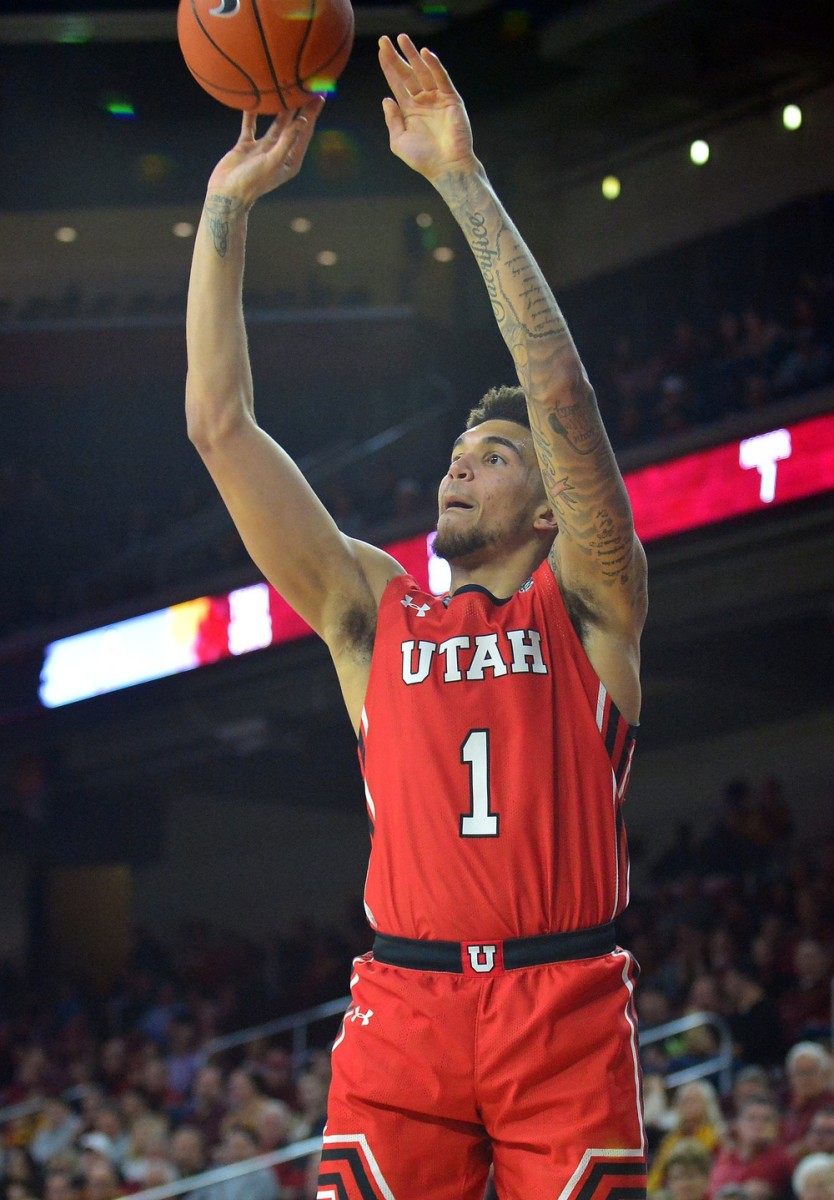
x: 597, y: 557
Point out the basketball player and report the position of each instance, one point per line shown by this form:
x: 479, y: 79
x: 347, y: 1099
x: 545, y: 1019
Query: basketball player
x: 493, y: 1020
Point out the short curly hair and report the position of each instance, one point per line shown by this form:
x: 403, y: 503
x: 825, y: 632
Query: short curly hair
x: 500, y: 404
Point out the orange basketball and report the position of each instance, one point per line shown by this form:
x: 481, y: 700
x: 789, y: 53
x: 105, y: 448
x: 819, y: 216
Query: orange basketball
x: 265, y: 55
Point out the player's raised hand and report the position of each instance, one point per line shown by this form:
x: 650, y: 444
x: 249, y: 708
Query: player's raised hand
x: 256, y: 165
x: 427, y: 122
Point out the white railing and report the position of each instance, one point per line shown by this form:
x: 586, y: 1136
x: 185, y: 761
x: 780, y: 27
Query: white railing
x: 298, y: 1025
x: 721, y: 1064
x: 233, y: 1171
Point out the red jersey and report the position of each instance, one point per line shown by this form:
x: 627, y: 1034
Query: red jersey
x: 495, y: 767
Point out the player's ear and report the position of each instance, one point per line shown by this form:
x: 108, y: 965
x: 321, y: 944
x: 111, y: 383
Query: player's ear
x: 545, y: 519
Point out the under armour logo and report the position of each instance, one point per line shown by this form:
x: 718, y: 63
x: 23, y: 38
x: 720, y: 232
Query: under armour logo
x: 364, y: 1017
x: 482, y: 958
x: 226, y: 8
x: 420, y: 609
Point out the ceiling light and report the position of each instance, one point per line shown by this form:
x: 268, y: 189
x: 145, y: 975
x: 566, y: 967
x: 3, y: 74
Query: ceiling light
x: 699, y: 152
x: 611, y: 187
x: 792, y: 116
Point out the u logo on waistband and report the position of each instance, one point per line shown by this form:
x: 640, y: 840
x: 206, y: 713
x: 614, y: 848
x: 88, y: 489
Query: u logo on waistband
x: 482, y: 957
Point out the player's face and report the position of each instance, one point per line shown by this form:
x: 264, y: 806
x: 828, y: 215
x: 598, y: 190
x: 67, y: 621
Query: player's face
x: 490, y: 495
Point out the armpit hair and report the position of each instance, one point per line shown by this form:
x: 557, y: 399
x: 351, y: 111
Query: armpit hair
x: 357, y: 630
x: 580, y: 612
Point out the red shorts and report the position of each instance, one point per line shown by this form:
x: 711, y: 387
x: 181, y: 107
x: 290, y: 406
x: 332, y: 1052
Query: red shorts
x: 438, y: 1075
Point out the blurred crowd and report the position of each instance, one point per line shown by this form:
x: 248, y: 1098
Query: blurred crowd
x: 738, y: 923
x: 739, y: 363
x: 653, y: 385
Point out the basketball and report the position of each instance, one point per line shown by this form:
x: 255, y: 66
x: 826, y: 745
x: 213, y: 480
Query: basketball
x: 265, y: 55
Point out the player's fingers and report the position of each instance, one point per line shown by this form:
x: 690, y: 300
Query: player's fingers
x: 422, y: 71
x: 396, y: 70
x: 440, y: 75
x: 247, y: 126
x: 275, y: 129
x: 393, y: 116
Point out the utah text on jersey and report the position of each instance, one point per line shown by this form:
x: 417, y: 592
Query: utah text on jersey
x: 514, y: 651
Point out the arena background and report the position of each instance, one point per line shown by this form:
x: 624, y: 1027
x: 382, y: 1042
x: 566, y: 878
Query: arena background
x: 232, y: 792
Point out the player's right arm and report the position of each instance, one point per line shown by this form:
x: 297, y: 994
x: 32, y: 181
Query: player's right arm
x: 331, y: 580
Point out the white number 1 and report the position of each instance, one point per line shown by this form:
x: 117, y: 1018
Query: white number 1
x: 479, y: 821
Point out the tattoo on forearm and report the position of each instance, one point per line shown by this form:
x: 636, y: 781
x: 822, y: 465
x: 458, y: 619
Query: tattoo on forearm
x: 578, y: 467
x: 220, y: 211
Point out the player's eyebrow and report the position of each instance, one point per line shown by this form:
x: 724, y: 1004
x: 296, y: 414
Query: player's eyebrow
x: 493, y: 439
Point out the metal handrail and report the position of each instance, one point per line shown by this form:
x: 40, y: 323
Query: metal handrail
x: 25, y: 1108
x: 720, y: 1064
x: 299, y: 1023
x: 217, y: 1174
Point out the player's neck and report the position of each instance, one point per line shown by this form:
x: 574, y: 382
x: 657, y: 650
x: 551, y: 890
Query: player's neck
x: 500, y: 577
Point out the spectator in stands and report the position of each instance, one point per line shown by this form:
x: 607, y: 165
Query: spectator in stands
x: 61, y: 1185
x: 677, y: 406
x: 814, y: 917
x: 188, y: 1151
x: 276, y: 1068
x: 748, y: 1082
x: 695, y: 1115
x: 155, y: 1021
x: 183, y: 1058
x: 820, y: 1136
x: 148, y: 1147
x: 274, y: 1131
x: 763, y: 341
x: 813, y: 1178
x: 312, y: 1100
x: 756, y: 392
x: 808, y: 1072
x: 752, y: 1016
x: 188, y: 1156
x: 728, y: 366
x: 113, y: 1066
x: 207, y: 1106
x: 808, y: 365
x: 19, y: 1167
x: 245, y: 1099
x: 752, y: 1155
x: 771, y: 956
x: 57, y: 1129
x: 91, y: 1148
x: 239, y: 1144
x: 110, y: 1121
x: 687, y: 1171
x: 91, y: 1103
x: 727, y: 851
x: 154, y: 1083
x: 102, y: 1181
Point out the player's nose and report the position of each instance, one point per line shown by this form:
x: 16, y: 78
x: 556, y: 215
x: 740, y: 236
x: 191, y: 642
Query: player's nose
x: 460, y: 467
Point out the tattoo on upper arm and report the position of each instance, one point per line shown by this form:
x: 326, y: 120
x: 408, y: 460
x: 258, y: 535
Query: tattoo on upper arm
x: 220, y: 211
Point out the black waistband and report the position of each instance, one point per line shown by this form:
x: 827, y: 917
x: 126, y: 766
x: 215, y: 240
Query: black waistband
x: 515, y: 952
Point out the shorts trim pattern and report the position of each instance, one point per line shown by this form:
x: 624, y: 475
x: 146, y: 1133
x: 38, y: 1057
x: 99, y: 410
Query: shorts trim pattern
x: 607, y: 1175
x: 349, y: 1170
